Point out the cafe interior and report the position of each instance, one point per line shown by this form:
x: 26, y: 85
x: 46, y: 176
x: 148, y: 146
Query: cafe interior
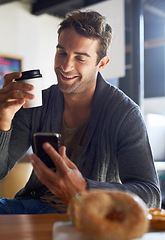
x: 28, y: 30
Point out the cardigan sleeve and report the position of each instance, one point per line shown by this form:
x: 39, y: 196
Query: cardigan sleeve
x: 135, y: 162
x: 15, y: 142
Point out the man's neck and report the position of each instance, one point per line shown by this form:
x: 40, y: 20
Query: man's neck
x: 77, y: 109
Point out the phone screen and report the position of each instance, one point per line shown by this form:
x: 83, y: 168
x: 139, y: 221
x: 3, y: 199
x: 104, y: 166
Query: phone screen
x: 39, y: 139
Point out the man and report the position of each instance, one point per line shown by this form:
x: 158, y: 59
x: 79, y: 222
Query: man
x: 104, y: 139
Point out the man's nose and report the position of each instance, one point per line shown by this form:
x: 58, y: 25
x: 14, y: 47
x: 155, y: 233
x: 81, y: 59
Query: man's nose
x: 67, y: 65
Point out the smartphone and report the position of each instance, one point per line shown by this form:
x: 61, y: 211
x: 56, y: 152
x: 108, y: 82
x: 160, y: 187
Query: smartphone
x: 42, y: 137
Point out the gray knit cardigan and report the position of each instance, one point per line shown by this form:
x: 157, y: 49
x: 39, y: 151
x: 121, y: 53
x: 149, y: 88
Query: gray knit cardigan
x: 116, y: 155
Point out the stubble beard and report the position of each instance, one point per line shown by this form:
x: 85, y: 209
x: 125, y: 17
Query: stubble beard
x: 80, y: 86
x: 68, y: 88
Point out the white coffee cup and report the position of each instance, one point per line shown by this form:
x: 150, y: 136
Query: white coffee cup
x: 32, y: 77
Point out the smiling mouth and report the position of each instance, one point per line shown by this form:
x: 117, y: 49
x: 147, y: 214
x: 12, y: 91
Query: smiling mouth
x: 67, y: 78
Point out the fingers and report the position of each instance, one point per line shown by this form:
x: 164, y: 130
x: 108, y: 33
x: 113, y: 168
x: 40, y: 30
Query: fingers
x: 45, y: 174
x: 16, y: 89
x: 69, y: 163
x: 61, y: 161
x: 10, y: 77
x: 13, y: 91
x: 12, y: 96
x: 65, y: 181
x: 52, y: 180
x: 62, y: 151
x: 56, y: 157
x: 14, y: 103
x: 10, y: 93
x: 11, y: 85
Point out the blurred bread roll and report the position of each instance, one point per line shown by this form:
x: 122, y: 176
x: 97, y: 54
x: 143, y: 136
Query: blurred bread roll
x: 108, y: 215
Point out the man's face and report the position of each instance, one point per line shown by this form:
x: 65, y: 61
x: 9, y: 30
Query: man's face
x: 75, y: 62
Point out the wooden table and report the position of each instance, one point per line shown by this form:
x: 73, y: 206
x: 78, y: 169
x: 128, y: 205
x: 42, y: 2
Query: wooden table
x: 39, y: 227
x: 28, y: 227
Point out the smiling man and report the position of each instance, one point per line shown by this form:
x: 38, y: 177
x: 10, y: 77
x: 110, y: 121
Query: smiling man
x: 76, y: 62
x: 76, y: 68
x: 104, y: 139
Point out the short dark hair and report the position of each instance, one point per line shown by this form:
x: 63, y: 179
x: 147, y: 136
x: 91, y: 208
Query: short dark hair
x: 89, y: 24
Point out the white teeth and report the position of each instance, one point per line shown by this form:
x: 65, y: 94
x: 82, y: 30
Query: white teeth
x: 67, y: 77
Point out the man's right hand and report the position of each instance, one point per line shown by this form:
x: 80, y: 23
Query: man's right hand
x: 12, y: 97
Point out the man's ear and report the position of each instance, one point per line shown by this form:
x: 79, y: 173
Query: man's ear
x: 103, y: 62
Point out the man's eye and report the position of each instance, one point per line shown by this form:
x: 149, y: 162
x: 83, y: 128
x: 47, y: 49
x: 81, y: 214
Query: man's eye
x: 61, y: 53
x: 81, y: 60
